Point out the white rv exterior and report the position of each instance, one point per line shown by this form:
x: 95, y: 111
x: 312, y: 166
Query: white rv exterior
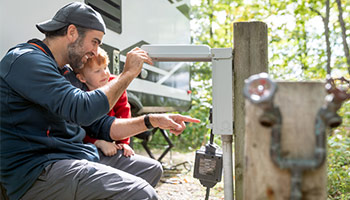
x: 160, y: 88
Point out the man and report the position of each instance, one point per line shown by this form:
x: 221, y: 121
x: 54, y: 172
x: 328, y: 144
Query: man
x: 42, y: 154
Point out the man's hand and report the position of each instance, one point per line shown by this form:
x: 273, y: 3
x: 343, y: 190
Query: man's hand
x: 123, y: 128
x: 175, y: 123
x: 134, y: 61
x: 132, y: 68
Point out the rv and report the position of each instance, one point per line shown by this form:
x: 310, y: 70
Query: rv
x: 163, y: 87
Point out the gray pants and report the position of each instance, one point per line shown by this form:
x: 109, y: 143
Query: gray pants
x: 115, y: 177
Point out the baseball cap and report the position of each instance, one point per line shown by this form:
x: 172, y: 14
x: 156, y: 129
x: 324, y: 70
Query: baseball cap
x: 74, y: 13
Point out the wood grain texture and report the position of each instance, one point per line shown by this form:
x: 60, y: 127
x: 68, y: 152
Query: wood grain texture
x: 299, y: 103
x: 250, y: 57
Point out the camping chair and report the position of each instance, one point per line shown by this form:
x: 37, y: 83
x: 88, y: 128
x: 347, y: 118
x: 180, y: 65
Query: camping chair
x: 145, y: 137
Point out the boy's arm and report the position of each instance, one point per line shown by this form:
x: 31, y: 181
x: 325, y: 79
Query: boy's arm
x: 124, y: 141
x: 128, y: 151
x: 107, y: 148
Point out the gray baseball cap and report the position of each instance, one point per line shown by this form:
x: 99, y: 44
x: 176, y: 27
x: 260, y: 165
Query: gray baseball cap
x: 74, y: 13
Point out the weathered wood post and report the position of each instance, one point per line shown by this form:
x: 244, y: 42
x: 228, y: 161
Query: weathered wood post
x: 250, y: 57
x: 299, y: 103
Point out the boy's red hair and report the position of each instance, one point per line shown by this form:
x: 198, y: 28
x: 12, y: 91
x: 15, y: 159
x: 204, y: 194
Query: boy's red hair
x: 100, y: 58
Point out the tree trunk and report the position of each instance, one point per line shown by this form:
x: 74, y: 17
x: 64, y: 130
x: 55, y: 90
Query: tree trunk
x: 211, y: 16
x: 343, y: 30
x: 326, y: 33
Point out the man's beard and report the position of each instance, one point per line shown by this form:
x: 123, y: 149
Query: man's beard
x: 75, y: 53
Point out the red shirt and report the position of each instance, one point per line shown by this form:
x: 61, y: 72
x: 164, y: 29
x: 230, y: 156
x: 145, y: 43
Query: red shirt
x: 120, y: 110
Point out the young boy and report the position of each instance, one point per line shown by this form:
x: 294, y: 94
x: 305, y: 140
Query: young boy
x: 95, y: 74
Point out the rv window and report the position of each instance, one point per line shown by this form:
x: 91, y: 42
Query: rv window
x: 111, y: 12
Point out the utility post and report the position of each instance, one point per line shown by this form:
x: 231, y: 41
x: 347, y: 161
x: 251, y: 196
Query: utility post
x: 287, y: 161
x: 221, y: 59
x: 250, y: 57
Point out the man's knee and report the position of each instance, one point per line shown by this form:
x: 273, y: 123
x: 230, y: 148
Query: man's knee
x: 156, y: 173
x: 147, y: 193
x: 158, y: 168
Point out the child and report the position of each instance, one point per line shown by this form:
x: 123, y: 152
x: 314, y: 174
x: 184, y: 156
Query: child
x: 95, y: 74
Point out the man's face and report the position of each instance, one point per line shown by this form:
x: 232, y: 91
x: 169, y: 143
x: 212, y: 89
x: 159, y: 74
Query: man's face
x: 83, y: 48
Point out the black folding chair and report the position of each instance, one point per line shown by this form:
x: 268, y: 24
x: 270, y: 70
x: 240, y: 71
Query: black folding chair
x: 145, y: 137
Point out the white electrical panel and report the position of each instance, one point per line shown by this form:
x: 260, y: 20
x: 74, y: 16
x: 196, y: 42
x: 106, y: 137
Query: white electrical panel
x: 222, y: 76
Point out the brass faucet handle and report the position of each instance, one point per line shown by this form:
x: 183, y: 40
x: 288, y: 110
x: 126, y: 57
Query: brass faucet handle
x: 339, y: 87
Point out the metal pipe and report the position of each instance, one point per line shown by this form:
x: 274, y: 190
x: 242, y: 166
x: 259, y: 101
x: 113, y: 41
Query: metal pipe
x: 228, y: 166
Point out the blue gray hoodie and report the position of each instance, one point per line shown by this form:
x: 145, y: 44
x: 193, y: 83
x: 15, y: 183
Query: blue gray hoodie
x: 41, y: 115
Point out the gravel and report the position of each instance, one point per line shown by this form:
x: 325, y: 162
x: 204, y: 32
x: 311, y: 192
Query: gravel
x: 178, y: 183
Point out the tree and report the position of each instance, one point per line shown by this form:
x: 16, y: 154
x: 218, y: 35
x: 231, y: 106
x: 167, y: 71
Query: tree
x: 342, y: 25
x: 303, y: 44
x: 325, y: 20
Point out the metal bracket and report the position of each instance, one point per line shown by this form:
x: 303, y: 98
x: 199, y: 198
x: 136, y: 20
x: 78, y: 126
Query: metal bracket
x: 260, y: 90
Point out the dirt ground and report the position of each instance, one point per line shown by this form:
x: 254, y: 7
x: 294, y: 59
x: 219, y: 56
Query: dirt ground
x: 178, y: 183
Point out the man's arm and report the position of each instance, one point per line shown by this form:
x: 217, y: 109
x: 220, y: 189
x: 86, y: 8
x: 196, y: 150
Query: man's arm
x: 123, y: 128
x: 36, y: 79
x: 132, y: 68
x: 100, y: 129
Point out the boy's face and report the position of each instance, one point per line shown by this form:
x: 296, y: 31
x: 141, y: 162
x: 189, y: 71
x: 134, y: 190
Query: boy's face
x: 94, y: 76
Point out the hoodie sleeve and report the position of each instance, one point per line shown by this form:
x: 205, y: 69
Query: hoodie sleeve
x: 35, y: 77
x: 100, y: 129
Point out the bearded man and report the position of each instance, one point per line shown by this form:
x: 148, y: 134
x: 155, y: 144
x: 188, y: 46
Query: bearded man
x: 42, y: 151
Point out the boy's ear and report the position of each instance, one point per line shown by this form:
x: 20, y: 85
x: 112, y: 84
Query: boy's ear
x: 81, y: 78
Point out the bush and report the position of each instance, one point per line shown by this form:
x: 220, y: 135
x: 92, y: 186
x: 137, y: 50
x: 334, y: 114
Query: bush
x: 339, y: 158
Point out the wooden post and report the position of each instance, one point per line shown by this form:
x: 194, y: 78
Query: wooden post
x: 299, y: 103
x: 250, y: 57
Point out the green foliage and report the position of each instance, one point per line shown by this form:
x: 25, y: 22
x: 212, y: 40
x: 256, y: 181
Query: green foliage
x: 297, y: 51
x: 195, y: 134
x: 339, y: 158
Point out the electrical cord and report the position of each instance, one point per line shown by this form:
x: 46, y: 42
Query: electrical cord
x: 207, y: 193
